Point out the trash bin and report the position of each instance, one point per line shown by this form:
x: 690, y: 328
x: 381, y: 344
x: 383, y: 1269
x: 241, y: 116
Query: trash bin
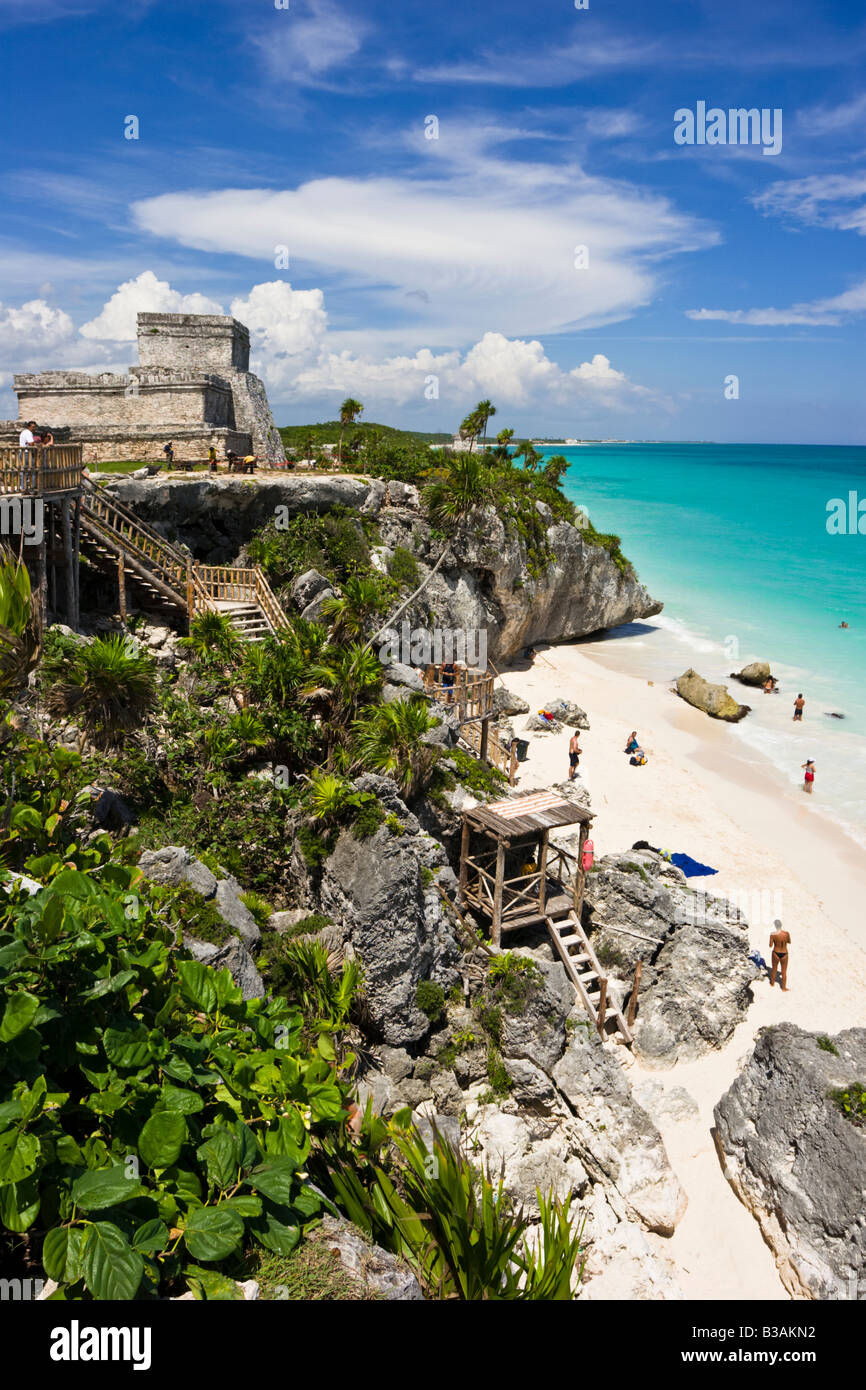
x: 522, y: 749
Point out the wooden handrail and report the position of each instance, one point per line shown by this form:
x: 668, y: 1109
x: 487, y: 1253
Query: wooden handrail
x: 57, y: 468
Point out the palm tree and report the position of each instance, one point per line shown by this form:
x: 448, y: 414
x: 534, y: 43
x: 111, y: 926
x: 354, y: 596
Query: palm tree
x: 20, y: 626
x: 341, y: 681
x: 360, y: 600
x: 503, y: 440
x: 108, y: 687
x: 349, y: 412
x: 484, y: 411
x: 213, y: 641
x: 388, y: 739
x: 531, y: 456
x: 464, y: 487
x: 470, y: 429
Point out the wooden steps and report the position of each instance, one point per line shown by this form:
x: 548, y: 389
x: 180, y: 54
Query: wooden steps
x: 583, y: 969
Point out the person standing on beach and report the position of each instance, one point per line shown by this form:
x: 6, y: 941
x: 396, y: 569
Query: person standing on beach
x: 573, y: 755
x: 799, y: 705
x: 780, y: 940
x: 809, y: 778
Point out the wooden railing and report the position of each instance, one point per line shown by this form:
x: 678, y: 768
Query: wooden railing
x: 499, y: 754
x: 469, y: 690
x: 214, y: 584
x: 37, y: 470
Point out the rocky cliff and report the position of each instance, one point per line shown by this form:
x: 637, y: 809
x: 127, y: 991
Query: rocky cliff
x: 484, y: 584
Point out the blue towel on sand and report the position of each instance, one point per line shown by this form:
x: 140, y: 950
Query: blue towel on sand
x: 690, y: 867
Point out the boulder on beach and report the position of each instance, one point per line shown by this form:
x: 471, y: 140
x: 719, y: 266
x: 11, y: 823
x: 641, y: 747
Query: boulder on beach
x: 714, y: 700
x: 797, y: 1158
x: 569, y: 713
x: 536, y: 725
x: 756, y: 673
x: 505, y: 702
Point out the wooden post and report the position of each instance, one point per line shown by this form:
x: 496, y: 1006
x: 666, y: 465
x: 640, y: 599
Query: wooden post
x: 542, y: 866
x: 464, y: 864
x: 580, y: 880
x: 485, y: 734
x: 512, y: 763
x: 42, y: 581
x: 121, y: 587
x: 50, y: 528
x: 632, y: 1003
x: 68, y: 559
x: 76, y: 562
x: 190, y: 594
x: 496, y: 932
x: 602, y: 1005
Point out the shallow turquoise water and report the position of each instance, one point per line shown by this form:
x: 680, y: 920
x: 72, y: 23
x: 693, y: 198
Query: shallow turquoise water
x: 734, y: 540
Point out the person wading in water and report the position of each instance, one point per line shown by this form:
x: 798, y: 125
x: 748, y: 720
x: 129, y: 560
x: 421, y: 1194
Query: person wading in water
x: 780, y: 940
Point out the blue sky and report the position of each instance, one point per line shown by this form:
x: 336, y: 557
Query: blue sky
x: 426, y: 273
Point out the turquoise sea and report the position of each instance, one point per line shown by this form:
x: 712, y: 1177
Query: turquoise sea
x: 734, y: 540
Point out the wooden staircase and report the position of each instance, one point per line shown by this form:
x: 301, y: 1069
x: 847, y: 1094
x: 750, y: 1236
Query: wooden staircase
x: 582, y: 966
x: 120, y: 543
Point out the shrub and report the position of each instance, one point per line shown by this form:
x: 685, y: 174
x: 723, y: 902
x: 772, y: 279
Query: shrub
x: 195, y: 914
x: 430, y: 999
x: 827, y: 1045
x: 156, y: 1125
x: 851, y: 1100
x: 403, y: 568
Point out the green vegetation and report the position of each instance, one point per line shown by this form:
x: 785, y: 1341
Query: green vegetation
x: 260, y: 909
x: 827, y: 1045
x: 851, y: 1100
x: 403, y: 568
x: 430, y: 999
x: 194, y: 913
x: 298, y: 436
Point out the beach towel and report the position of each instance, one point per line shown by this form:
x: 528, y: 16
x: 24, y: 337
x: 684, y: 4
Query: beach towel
x: 757, y: 959
x: 690, y: 867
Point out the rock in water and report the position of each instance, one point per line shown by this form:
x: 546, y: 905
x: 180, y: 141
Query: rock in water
x: 756, y: 673
x: 712, y: 699
x: 796, y: 1160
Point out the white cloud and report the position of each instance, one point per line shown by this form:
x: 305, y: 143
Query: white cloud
x: 284, y: 323
x: 828, y: 120
x: 479, y: 241
x: 821, y: 200
x: 34, y: 327
x: 311, y: 39
x: 144, y: 294
x: 816, y: 312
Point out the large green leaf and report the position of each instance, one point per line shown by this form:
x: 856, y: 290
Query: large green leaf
x: 112, y: 1270
x: 162, y: 1138
x: 276, y: 1235
x: 19, y: 1014
x: 104, y: 1187
x: 19, y: 1204
x: 197, y: 983
x: 61, y: 1253
x: 184, y: 1102
x: 126, y: 1048
x: 276, y: 1179
x: 221, y: 1153
x: 209, y: 1284
x: 19, y: 1154
x: 213, y: 1233
x: 151, y: 1238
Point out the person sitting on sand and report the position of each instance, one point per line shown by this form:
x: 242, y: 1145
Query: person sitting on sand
x: 809, y: 774
x: 799, y: 705
x: 573, y: 755
x: 779, y: 943
x: 631, y: 743
x: 771, y: 686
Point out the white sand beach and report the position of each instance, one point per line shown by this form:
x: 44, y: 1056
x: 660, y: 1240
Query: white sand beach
x: 697, y: 794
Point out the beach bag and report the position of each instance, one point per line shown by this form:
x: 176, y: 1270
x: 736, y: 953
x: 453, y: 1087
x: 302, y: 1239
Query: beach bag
x: 586, y: 859
x: 638, y: 758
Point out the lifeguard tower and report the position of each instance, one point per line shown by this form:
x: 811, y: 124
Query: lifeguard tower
x: 513, y: 878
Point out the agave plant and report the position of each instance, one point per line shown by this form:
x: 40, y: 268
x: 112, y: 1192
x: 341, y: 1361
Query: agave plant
x: 328, y: 797
x: 20, y: 626
x: 109, y: 688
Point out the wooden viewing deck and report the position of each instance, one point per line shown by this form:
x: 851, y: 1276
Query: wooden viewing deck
x: 468, y: 690
x: 39, y: 472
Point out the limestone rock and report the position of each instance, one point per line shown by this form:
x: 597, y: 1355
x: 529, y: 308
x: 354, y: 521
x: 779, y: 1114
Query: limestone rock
x: 614, y: 1137
x: 697, y: 993
x: 308, y: 586
x: 567, y: 712
x: 506, y: 703
x: 714, y: 700
x: 174, y: 865
x: 796, y: 1161
x: 756, y: 673
x: 536, y: 725
x: 531, y: 1151
x: 621, y: 1265
x: 374, y: 889
x: 384, y: 1275
x: 399, y: 674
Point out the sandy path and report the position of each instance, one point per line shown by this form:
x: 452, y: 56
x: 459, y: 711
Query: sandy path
x: 697, y: 794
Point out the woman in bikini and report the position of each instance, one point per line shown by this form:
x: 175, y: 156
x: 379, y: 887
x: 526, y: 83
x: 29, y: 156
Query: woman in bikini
x: 809, y: 774
x: 779, y: 943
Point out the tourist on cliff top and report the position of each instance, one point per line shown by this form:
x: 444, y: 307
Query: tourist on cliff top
x: 27, y: 438
x: 168, y: 450
x: 47, y: 438
x: 212, y: 459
